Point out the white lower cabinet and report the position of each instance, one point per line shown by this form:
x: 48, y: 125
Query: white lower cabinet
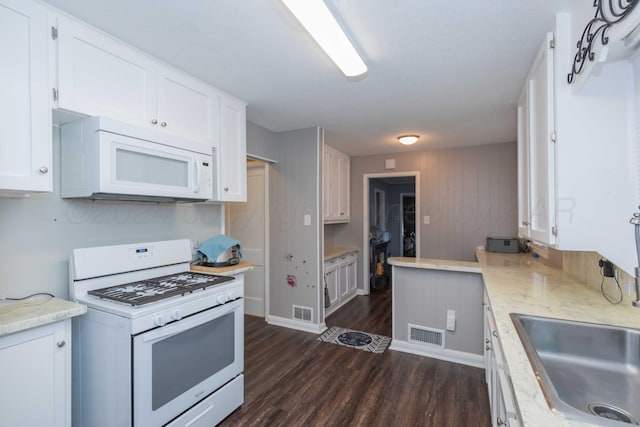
x: 35, y: 367
x: 503, y: 407
x: 25, y: 133
x: 341, y: 279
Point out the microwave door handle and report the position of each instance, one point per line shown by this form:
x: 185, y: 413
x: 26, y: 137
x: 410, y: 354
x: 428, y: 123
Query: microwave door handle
x: 196, y: 180
x: 183, y: 325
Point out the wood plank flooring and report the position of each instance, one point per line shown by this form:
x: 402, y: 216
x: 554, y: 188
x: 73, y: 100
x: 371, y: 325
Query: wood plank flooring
x: 292, y: 379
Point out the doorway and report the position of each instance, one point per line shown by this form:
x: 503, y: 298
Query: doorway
x: 248, y: 222
x: 391, y: 204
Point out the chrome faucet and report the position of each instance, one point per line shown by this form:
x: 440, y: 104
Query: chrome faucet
x: 635, y: 220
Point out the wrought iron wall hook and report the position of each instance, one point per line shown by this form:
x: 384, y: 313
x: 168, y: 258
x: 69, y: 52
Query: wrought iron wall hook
x: 608, y: 13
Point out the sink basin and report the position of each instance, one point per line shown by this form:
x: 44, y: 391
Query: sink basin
x: 587, y: 371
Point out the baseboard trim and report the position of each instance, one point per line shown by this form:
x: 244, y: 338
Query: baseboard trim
x: 337, y: 307
x: 362, y: 292
x: 297, y: 324
x: 469, y: 359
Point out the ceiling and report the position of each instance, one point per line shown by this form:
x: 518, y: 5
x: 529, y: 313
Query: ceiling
x: 448, y: 71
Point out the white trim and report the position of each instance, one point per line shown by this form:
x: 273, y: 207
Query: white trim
x: 365, y: 219
x: 361, y: 292
x: 320, y: 224
x: 264, y: 159
x: 267, y: 223
x: 297, y: 324
x: 461, y: 357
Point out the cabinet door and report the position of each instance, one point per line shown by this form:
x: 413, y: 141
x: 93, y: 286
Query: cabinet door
x: 344, y: 187
x: 343, y: 277
x: 326, y: 183
x: 541, y: 145
x: 335, y: 187
x: 187, y: 107
x: 35, y: 386
x: 25, y: 134
x: 352, y: 273
x: 523, y: 164
x: 98, y: 75
x: 331, y: 277
x: 231, y: 154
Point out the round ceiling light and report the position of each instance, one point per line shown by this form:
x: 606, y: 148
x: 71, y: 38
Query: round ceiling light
x: 408, y: 139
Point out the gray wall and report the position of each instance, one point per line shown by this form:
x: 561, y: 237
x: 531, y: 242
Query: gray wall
x: 469, y: 193
x: 295, y: 190
x: 422, y: 298
x: 39, y: 232
x: 261, y: 142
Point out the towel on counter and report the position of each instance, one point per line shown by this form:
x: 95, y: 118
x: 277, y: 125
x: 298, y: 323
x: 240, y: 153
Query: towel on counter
x: 215, y: 246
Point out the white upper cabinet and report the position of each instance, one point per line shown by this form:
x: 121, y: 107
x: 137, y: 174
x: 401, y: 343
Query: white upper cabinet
x: 25, y: 133
x: 231, y: 154
x: 187, y: 107
x: 98, y: 75
x: 336, y: 186
x: 536, y: 150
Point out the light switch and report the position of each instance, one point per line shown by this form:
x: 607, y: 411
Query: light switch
x: 427, y: 219
x: 451, y: 320
x: 307, y: 219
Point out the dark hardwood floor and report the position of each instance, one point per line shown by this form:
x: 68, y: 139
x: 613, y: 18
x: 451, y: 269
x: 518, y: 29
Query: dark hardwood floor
x: 292, y: 379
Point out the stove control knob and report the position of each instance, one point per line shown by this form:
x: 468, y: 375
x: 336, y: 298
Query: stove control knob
x: 222, y: 299
x: 231, y: 295
x: 159, y: 320
x: 176, y: 315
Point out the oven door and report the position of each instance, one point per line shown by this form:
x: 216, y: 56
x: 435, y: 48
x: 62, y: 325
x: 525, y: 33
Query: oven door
x: 177, y: 365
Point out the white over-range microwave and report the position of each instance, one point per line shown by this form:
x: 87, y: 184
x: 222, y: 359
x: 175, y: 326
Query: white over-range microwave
x: 102, y: 158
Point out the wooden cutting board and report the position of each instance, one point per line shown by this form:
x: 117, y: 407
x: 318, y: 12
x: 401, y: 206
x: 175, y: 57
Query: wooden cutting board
x: 222, y: 270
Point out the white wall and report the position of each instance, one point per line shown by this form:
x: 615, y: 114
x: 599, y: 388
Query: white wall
x: 38, y: 233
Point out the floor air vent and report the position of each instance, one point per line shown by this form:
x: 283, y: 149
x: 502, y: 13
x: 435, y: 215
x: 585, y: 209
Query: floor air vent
x: 302, y: 313
x: 424, y: 335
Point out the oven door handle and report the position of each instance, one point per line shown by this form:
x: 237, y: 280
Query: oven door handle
x: 190, y: 322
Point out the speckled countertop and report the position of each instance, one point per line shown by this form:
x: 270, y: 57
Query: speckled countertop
x: 517, y: 283
x: 330, y: 253
x: 436, y: 264
x: 16, y: 316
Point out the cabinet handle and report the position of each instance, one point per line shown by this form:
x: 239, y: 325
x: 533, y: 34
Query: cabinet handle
x: 487, y: 341
x: 488, y: 348
x: 500, y: 422
x: 495, y: 334
x: 60, y: 344
x: 43, y: 169
x: 226, y: 188
x: 154, y: 121
x: 525, y: 223
x: 488, y: 308
x: 163, y: 124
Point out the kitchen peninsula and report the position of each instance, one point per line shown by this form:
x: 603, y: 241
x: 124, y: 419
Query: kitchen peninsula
x: 513, y: 283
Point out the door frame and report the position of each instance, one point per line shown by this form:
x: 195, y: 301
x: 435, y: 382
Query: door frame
x: 365, y: 219
x: 263, y: 164
x: 415, y: 219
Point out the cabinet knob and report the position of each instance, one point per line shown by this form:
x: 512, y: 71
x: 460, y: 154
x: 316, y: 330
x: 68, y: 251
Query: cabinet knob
x: 226, y: 188
x: 154, y: 121
x: 488, y: 348
x: 500, y: 422
x: 163, y: 124
x: 60, y: 344
x: 43, y: 169
x: 525, y: 223
x: 487, y: 341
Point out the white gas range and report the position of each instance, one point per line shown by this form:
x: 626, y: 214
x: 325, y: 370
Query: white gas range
x: 159, y: 345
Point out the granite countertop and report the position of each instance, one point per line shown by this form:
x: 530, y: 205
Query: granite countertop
x: 518, y: 283
x: 436, y: 264
x: 39, y: 310
x: 330, y: 253
x: 241, y: 267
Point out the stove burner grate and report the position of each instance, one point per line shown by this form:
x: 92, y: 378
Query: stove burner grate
x: 159, y: 288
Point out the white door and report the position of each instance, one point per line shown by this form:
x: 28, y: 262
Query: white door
x: 247, y: 223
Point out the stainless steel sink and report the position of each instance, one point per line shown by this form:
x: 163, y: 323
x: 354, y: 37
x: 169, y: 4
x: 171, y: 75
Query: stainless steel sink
x: 587, y: 371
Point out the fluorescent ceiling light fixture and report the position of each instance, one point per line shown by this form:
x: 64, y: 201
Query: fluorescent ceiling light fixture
x: 316, y: 18
x: 408, y: 139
